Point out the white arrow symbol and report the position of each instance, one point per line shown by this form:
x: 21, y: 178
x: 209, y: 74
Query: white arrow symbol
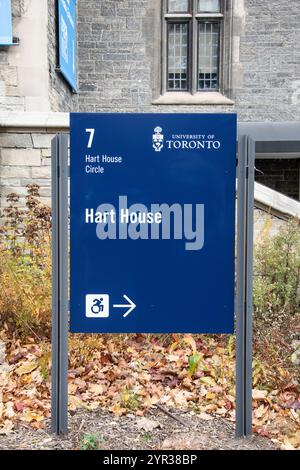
x: 131, y: 306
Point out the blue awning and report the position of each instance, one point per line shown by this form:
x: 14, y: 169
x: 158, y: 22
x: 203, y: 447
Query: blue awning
x: 6, y: 37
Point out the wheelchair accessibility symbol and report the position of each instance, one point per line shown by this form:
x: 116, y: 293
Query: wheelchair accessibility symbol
x: 97, y: 306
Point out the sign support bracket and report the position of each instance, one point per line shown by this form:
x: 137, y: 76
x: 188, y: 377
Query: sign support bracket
x: 244, y: 299
x: 59, y: 394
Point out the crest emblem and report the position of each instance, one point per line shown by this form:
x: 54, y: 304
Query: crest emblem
x: 158, y: 139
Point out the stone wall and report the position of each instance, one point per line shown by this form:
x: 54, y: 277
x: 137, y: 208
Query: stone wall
x: 270, y: 57
x: 119, y: 47
x: 29, y: 80
x: 119, y: 53
x: 119, y: 59
x: 24, y: 71
x: 60, y: 95
x: 25, y: 158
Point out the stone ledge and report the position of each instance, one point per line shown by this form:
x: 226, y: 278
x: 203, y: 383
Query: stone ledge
x: 205, y: 98
x: 268, y: 199
x: 24, y: 120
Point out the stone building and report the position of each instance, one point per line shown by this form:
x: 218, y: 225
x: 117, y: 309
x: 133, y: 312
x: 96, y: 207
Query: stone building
x: 149, y: 56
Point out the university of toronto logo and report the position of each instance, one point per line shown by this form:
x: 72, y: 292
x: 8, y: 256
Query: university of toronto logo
x: 158, y: 139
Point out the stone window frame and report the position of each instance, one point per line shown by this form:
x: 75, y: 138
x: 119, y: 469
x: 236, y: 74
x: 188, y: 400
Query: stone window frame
x: 221, y: 97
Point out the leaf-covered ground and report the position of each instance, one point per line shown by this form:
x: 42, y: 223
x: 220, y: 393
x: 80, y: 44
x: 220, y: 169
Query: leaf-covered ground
x: 131, y: 374
x: 101, y: 430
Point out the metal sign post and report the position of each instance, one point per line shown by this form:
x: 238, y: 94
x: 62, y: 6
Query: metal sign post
x: 244, y: 300
x: 59, y: 394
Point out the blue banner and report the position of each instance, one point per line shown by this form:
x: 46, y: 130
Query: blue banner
x: 6, y: 36
x: 152, y: 223
x: 67, y: 30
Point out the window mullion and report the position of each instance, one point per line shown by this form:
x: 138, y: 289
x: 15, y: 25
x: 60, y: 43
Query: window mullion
x: 194, y: 49
x: 164, y: 47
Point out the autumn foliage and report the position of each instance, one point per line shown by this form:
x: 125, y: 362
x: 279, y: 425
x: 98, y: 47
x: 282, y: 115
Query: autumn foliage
x: 25, y: 268
x: 132, y: 373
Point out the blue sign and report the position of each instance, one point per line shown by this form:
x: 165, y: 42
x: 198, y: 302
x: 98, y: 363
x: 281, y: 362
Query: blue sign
x: 67, y: 41
x: 6, y: 36
x: 152, y: 223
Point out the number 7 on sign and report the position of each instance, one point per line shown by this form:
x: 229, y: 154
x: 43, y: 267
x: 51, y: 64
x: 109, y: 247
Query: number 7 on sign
x: 91, y: 137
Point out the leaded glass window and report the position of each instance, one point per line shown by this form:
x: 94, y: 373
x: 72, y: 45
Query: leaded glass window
x: 208, y: 55
x: 178, y: 6
x: 193, y: 44
x: 177, y: 56
x: 210, y: 6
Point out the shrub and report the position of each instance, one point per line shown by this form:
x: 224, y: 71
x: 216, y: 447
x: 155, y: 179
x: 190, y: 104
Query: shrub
x: 277, y: 274
x: 25, y: 269
x: 25, y: 265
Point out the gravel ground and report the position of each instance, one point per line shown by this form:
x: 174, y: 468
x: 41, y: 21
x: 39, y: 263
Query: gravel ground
x: 155, y: 431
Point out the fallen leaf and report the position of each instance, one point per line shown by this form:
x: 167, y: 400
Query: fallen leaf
x: 19, y: 406
x: 9, y: 410
x: 30, y: 416
x: 38, y: 425
x: 96, y: 389
x: 208, y: 381
x: 172, y: 357
x: 193, y: 363
x: 210, y: 396
x: 190, y: 340
x: 205, y: 416
x: 37, y: 377
x: 7, y: 427
x: 72, y: 388
x: 287, y: 446
x: 74, y: 402
x: 147, y: 424
x: 259, y: 394
x: 260, y: 411
x: 26, y: 368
